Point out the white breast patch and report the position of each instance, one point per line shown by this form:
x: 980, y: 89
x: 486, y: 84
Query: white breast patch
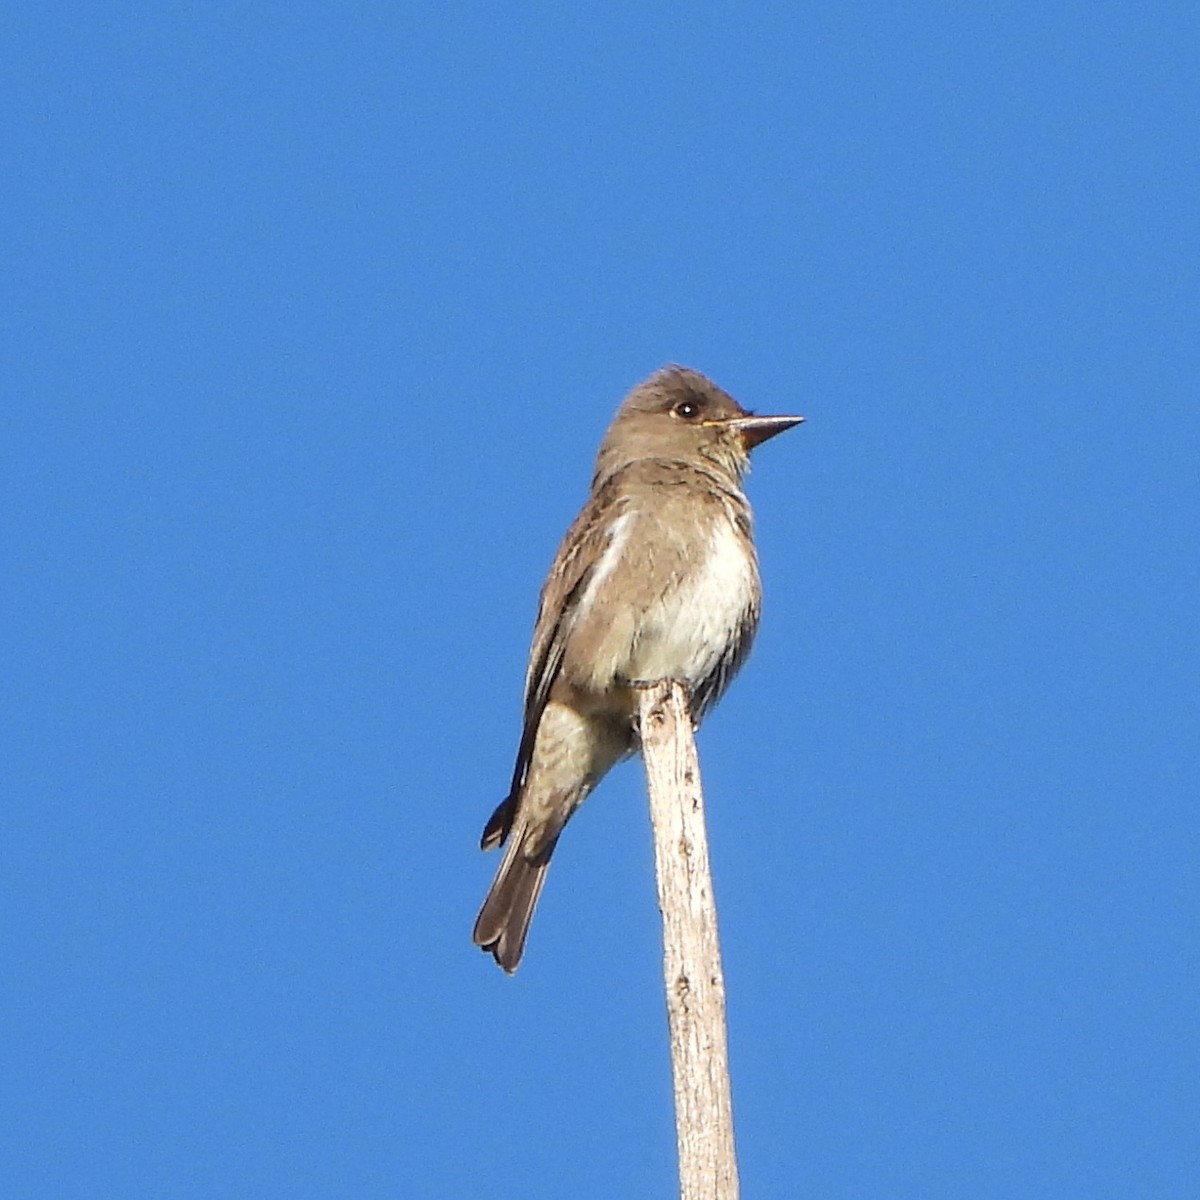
x: 689, y: 630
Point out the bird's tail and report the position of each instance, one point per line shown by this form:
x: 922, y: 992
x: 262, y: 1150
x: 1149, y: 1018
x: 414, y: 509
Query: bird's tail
x: 503, y: 922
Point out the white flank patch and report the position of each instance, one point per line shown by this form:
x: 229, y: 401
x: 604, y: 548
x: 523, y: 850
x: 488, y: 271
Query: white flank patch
x: 608, y: 560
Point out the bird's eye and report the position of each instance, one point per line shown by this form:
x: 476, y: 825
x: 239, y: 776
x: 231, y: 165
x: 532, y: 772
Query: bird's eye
x: 687, y: 409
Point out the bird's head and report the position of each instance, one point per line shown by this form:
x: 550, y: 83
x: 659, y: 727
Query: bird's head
x: 678, y: 414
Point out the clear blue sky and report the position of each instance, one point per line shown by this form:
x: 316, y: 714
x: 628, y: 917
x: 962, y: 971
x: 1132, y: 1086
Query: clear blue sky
x: 313, y: 319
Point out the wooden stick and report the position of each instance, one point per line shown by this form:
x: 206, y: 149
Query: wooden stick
x: 691, y: 951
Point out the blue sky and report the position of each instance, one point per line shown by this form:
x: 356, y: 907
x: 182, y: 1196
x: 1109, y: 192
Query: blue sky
x: 314, y: 318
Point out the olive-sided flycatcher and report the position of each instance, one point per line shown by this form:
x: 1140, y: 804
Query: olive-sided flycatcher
x: 656, y: 579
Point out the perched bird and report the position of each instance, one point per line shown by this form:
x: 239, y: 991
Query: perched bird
x: 656, y: 579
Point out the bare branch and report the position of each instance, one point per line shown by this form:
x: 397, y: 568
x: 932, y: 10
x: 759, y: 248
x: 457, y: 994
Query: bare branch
x: 691, y: 951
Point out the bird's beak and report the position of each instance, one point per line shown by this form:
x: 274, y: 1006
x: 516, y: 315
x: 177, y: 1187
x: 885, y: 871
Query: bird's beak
x: 756, y: 430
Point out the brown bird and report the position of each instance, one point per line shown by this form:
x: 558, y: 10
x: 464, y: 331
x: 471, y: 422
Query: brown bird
x: 656, y: 579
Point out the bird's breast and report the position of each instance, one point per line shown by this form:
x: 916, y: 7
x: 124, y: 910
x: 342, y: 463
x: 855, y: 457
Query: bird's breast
x: 689, y: 630
x: 669, y: 603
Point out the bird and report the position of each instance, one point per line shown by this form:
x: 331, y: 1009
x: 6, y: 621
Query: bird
x: 656, y: 579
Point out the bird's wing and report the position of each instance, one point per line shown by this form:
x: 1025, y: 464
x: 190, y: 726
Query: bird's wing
x: 580, y: 555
